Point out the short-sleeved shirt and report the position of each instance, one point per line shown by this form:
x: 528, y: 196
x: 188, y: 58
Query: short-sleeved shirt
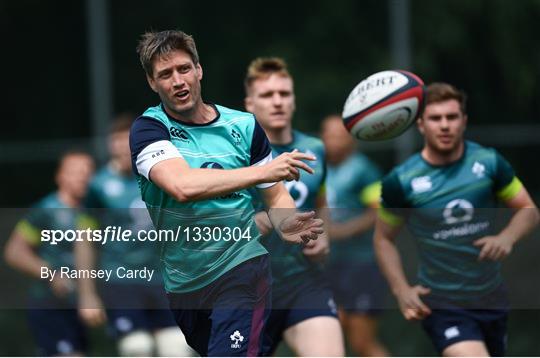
x: 352, y: 186
x: 446, y: 209
x: 213, y: 235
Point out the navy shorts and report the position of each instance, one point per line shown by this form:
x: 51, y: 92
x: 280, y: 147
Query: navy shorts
x: 228, y: 317
x: 134, y: 307
x: 57, y: 331
x: 297, y: 301
x: 358, y: 287
x: 450, y: 323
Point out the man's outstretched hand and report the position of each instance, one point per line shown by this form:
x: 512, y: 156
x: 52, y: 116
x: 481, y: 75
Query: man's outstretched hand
x: 301, y: 227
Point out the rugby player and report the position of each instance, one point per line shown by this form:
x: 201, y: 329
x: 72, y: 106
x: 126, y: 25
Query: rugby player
x: 52, y: 314
x: 304, y: 312
x: 194, y: 161
x: 439, y: 193
x: 353, y: 193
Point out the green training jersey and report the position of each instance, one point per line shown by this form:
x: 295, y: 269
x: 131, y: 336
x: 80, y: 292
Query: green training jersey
x: 445, y: 210
x: 211, y: 236
x: 119, y: 197
x: 352, y: 186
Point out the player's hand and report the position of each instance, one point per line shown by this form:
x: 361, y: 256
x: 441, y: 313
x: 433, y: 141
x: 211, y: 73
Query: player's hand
x: 61, y: 286
x: 317, y: 250
x: 91, y: 310
x: 411, y: 305
x: 263, y: 223
x: 287, y: 166
x: 301, y: 228
x: 493, y: 248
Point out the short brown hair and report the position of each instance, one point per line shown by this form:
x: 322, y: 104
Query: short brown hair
x: 156, y: 44
x: 264, y: 67
x: 440, y: 91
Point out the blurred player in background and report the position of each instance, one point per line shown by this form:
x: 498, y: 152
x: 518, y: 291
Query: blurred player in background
x: 194, y: 161
x: 52, y: 313
x: 353, y: 191
x: 304, y: 313
x: 460, y: 297
x: 137, y: 310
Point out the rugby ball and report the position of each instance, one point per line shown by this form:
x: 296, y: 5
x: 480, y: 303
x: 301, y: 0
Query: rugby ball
x: 383, y: 105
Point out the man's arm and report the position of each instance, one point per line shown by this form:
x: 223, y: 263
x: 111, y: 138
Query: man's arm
x: 20, y: 255
x: 90, y: 306
x: 389, y: 260
x: 186, y: 184
x: 292, y: 226
x: 522, y: 223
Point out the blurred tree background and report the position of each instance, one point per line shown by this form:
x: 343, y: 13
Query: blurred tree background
x: 489, y: 48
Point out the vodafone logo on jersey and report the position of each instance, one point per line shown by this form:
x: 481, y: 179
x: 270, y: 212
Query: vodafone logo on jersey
x: 458, y: 211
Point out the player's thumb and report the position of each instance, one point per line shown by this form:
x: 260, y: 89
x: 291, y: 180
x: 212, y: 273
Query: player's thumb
x: 423, y: 290
x: 305, y: 216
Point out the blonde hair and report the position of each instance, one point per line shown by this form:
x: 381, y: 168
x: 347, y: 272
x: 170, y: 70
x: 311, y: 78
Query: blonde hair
x: 264, y: 67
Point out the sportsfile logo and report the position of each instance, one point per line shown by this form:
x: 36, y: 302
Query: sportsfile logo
x: 236, y: 337
x: 179, y: 133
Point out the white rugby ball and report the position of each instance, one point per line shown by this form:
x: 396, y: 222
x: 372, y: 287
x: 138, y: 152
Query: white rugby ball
x: 383, y: 105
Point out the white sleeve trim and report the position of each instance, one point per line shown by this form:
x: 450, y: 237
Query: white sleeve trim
x: 155, y: 153
x: 262, y: 162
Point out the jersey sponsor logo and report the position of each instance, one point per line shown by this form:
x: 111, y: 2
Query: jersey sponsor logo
x: 215, y: 165
x: 479, y: 169
x: 457, y: 211
x: 179, y: 133
x: 451, y: 332
x: 236, y: 337
x: 460, y: 211
x: 237, y: 138
x: 211, y: 165
x: 298, y: 190
x: 421, y: 184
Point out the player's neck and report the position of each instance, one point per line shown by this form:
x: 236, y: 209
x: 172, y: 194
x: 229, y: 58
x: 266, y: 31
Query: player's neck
x: 437, y: 157
x: 282, y: 136
x: 201, y: 113
x: 68, y: 199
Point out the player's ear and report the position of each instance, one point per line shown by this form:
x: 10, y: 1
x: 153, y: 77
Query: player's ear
x: 420, y: 125
x: 151, y: 83
x: 199, y: 71
x: 248, y: 103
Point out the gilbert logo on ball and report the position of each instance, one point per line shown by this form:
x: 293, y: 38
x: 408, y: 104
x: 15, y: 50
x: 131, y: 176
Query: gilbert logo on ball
x: 383, y: 105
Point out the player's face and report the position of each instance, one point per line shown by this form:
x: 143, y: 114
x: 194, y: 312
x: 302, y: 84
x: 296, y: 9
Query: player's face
x: 74, y: 174
x: 176, y: 79
x: 271, y: 100
x: 337, y: 141
x: 442, y: 126
x: 119, y: 150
